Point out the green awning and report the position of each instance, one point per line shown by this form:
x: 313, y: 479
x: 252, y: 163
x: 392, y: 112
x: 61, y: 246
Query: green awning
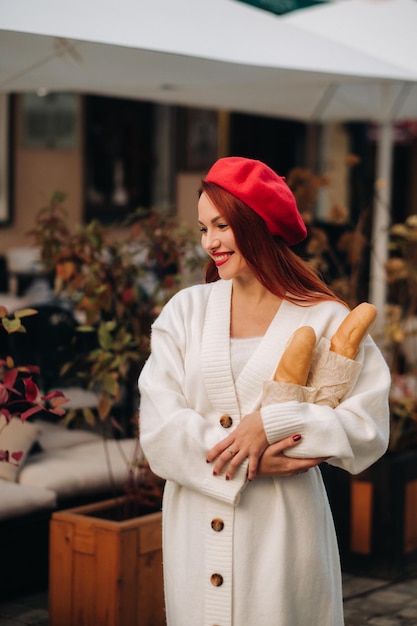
x: 282, y: 6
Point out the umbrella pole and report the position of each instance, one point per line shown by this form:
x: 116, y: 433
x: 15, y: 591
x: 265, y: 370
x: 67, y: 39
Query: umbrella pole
x: 381, y: 224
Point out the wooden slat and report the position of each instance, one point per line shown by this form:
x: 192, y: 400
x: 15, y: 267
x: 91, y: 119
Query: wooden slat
x: 150, y: 536
x: 410, y: 517
x: 83, y: 590
x: 130, y: 586
x: 361, y: 517
x: 151, y: 608
x: 60, y: 573
x: 107, y: 573
x: 84, y: 540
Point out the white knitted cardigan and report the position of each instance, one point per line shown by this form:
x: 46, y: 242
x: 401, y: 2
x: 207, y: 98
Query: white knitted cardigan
x: 186, y: 386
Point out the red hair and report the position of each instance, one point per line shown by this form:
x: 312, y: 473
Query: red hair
x: 270, y: 259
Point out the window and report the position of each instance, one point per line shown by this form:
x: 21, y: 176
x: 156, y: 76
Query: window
x: 118, y: 157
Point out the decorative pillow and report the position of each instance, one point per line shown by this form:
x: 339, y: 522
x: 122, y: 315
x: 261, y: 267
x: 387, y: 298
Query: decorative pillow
x: 16, y: 437
x: 54, y: 436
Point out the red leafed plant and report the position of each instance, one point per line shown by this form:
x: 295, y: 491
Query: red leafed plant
x: 19, y: 394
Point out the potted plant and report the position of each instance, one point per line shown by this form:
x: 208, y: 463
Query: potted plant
x: 375, y: 512
x: 105, y: 559
x: 20, y: 396
x: 115, y: 284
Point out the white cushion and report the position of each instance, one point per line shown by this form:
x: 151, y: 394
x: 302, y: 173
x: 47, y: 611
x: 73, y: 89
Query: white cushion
x: 59, y: 436
x: 16, y: 436
x: 19, y: 500
x: 79, y: 398
x: 80, y: 469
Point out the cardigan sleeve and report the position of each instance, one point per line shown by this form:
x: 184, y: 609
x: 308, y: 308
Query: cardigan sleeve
x: 354, y: 434
x: 174, y: 436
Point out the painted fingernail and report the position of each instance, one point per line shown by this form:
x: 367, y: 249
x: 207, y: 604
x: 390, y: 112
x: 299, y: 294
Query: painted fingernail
x: 214, y: 473
x: 227, y: 477
x: 296, y: 437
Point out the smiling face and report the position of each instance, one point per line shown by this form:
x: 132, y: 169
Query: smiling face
x: 218, y: 241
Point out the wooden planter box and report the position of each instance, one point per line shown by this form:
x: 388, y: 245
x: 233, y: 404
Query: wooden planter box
x: 104, y: 572
x: 375, y: 515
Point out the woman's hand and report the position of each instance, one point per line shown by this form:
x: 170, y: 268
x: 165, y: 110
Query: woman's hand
x: 248, y: 440
x: 274, y: 463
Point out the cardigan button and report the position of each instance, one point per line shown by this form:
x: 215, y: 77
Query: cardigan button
x: 226, y: 421
x: 216, y: 580
x: 217, y: 524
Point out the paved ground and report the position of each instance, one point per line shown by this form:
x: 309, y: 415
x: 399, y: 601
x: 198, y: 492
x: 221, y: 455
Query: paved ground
x: 371, y: 602
x: 31, y: 609
x: 368, y: 602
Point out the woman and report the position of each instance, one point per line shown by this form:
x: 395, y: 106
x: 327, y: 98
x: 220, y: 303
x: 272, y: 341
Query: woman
x: 248, y: 537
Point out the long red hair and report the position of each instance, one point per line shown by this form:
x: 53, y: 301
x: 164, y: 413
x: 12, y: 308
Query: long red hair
x: 270, y: 259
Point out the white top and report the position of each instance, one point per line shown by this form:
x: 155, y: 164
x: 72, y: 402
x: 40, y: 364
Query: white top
x: 241, y: 349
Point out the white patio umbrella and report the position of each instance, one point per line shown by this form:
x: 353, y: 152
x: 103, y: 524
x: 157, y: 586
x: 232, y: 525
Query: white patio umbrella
x: 221, y: 54
x: 384, y: 29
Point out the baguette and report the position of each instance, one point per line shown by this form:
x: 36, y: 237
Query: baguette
x: 348, y: 337
x: 295, y: 362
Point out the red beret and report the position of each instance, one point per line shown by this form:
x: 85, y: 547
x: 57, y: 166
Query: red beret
x: 266, y: 193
